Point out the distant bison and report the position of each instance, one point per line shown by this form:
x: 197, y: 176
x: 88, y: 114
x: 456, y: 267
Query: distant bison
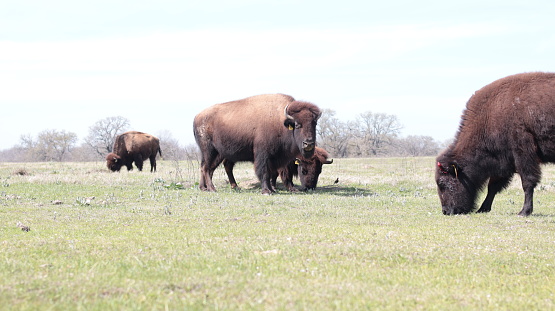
x: 308, y: 171
x: 508, y: 127
x: 132, y: 147
x: 269, y: 130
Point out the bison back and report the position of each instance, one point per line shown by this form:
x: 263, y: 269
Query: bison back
x: 236, y: 128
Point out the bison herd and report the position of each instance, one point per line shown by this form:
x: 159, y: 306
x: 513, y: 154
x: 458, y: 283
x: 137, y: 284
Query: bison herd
x: 507, y: 127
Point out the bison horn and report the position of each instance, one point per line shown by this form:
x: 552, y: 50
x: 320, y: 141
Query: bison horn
x: 318, y: 115
x: 328, y: 162
x: 287, y: 116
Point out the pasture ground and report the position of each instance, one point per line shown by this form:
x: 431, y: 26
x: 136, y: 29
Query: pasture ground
x: 376, y: 240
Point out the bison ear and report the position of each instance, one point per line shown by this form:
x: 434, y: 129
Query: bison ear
x: 442, y: 168
x: 289, y: 124
x: 451, y: 168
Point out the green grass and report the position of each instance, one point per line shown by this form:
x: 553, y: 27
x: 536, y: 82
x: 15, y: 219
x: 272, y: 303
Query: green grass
x: 376, y: 240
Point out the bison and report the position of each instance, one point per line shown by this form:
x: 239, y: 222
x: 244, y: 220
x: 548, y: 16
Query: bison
x: 308, y: 171
x: 507, y: 127
x: 132, y: 147
x: 269, y: 130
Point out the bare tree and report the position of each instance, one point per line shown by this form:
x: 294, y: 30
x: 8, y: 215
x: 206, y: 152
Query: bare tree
x: 14, y: 154
x: 192, y: 152
x: 103, y: 133
x: 170, y: 146
x: 50, y: 145
x: 417, y: 146
x: 333, y: 135
x: 374, y: 132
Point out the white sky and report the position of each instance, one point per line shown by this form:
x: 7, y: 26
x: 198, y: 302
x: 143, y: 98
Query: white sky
x: 66, y: 64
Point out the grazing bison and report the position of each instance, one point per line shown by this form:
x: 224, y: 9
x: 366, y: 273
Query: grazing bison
x: 133, y: 146
x: 508, y: 127
x: 269, y: 130
x: 308, y: 171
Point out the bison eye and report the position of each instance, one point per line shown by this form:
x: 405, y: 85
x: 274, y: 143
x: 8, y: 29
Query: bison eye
x: 305, y: 172
x: 298, y: 125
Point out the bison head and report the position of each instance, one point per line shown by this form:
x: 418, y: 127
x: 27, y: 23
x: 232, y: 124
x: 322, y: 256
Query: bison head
x: 301, y: 118
x: 309, y: 170
x: 114, y: 162
x: 456, y: 192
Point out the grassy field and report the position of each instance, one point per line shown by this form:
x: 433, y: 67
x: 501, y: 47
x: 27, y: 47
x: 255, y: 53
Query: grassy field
x: 376, y: 240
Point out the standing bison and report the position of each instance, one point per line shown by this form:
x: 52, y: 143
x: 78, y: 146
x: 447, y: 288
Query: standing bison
x: 132, y: 147
x: 308, y: 171
x: 269, y: 130
x: 508, y: 127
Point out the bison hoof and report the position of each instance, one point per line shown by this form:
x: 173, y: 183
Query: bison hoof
x: 484, y: 210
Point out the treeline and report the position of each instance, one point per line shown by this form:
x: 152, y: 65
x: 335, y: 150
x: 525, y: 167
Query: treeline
x: 54, y: 145
x: 369, y: 135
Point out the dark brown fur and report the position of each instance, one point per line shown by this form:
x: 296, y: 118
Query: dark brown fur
x: 508, y: 127
x: 132, y: 147
x: 308, y: 171
x: 255, y: 129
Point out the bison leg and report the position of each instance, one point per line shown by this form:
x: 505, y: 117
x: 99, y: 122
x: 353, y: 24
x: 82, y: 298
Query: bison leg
x: 264, y: 174
x: 527, y: 165
x: 153, y: 163
x: 273, y: 179
x: 207, y: 168
x: 528, y: 186
x: 138, y: 161
x: 287, y: 178
x: 495, y: 185
x: 266, y: 184
x: 228, y: 165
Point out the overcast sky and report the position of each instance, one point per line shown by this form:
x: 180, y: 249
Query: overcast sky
x: 64, y: 65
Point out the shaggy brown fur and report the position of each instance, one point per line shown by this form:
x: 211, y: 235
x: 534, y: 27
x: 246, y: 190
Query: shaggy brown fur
x: 308, y: 169
x: 132, y: 147
x: 508, y: 127
x: 255, y: 129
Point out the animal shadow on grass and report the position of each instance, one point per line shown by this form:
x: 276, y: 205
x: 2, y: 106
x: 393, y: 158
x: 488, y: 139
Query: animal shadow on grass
x: 331, y: 189
x: 344, y: 191
x: 544, y: 216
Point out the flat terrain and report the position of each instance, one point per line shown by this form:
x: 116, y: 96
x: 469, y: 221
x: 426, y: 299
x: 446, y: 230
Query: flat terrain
x: 74, y: 236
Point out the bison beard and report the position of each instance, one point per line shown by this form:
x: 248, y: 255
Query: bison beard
x: 508, y: 127
x: 269, y: 130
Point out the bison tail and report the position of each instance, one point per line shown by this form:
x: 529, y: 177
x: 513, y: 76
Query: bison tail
x: 160, y: 152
